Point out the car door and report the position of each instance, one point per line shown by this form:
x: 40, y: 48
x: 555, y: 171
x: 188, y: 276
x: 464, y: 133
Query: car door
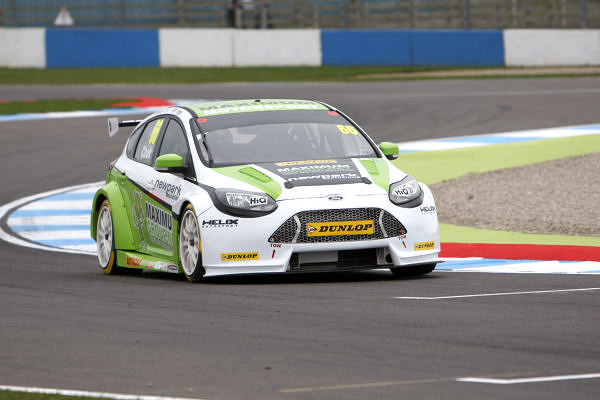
x: 151, y: 216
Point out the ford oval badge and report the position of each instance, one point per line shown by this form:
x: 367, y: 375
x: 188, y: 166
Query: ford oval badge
x: 335, y: 197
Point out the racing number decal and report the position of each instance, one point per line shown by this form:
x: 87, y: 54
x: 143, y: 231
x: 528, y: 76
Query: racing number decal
x: 155, y: 131
x: 347, y: 129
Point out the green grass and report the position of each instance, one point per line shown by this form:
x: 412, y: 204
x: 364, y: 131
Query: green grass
x: 230, y: 74
x: 463, y: 234
x: 41, y: 106
x: 193, y: 75
x: 9, y: 395
x: 437, y: 166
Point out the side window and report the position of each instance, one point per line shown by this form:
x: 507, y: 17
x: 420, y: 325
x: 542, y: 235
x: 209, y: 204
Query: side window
x: 174, y: 141
x: 148, y: 141
x: 133, y: 140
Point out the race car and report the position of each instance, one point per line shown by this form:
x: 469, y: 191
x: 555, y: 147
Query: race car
x: 260, y: 186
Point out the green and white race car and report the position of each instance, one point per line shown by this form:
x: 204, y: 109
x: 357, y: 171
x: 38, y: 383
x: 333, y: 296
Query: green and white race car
x: 260, y: 186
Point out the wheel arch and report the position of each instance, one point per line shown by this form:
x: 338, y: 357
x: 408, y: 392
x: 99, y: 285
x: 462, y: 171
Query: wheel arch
x: 123, y: 235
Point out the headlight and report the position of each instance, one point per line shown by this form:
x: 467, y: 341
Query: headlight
x: 406, y: 193
x: 247, y: 204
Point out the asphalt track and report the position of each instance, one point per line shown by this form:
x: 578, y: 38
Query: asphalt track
x: 333, y: 336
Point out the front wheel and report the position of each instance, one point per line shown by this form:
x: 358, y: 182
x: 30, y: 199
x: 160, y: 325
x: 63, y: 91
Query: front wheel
x: 105, y: 241
x: 190, y: 251
x: 417, y: 270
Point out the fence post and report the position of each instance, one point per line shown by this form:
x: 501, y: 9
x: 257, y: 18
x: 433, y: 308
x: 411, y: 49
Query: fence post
x: 413, y: 14
x: 315, y: 15
x: 584, y: 23
x: 122, y: 14
x: 467, y: 14
x: 13, y: 9
x: 514, y: 13
x: 180, y: 12
x: 264, y: 16
x: 238, y: 17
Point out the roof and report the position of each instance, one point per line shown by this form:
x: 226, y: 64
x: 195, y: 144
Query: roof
x: 244, y: 106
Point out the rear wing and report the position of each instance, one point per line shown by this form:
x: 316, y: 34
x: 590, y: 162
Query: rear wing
x: 114, y: 125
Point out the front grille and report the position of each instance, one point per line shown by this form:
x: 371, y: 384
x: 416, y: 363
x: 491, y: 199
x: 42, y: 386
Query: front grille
x: 294, y: 229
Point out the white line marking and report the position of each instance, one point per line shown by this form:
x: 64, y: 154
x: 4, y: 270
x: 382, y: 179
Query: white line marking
x: 82, y: 393
x: 12, y: 205
x: 529, y: 380
x: 497, y: 294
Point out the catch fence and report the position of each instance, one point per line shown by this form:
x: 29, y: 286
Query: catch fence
x: 343, y: 14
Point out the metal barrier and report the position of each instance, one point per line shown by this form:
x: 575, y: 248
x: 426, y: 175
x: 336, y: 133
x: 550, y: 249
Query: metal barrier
x: 255, y: 14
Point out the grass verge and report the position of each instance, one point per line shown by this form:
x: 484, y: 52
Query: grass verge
x: 437, y: 166
x: 41, y: 106
x: 260, y: 74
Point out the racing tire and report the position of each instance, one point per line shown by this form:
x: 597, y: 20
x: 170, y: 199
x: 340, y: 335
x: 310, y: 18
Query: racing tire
x: 190, y: 245
x: 105, y: 241
x: 417, y: 270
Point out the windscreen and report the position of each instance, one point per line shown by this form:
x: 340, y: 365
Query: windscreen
x: 273, y: 136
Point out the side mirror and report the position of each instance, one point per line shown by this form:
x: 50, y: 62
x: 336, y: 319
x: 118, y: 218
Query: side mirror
x: 389, y: 150
x: 172, y: 163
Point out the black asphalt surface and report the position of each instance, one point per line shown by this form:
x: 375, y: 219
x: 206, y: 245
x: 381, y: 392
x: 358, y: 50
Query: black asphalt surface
x: 63, y: 324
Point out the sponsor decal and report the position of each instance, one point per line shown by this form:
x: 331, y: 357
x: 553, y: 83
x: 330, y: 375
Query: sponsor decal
x: 284, y: 163
x: 401, y: 191
x: 268, y: 105
x: 146, y: 152
x: 159, y: 224
x: 427, y: 210
x: 325, y: 177
x: 239, y: 256
x: 339, y: 228
x: 312, y: 169
x: 162, y: 266
x: 220, y: 223
x: 424, y: 246
x: 316, y: 172
x: 137, y: 212
x: 171, y: 191
x: 133, y: 261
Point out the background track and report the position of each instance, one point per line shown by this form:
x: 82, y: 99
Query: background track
x: 66, y: 325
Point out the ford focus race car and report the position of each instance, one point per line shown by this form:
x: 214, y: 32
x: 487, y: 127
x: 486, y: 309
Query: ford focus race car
x: 260, y: 186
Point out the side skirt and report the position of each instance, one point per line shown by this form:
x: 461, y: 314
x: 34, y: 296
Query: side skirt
x: 131, y: 259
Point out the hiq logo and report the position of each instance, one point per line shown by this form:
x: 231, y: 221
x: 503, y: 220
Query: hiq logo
x: 257, y: 200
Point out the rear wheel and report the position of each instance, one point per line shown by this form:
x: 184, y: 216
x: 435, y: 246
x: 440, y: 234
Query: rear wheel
x: 190, y: 250
x: 416, y: 270
x: 105, y: 241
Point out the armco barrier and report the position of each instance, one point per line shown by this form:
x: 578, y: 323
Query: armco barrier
x: 22, y: 48
x: 101, y: 48
x: 526, y: 47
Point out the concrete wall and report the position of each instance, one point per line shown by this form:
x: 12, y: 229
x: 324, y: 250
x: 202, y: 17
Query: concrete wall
x: 526, y: 47
x: 22, y: 48
x: 188, y: 47
x: 101, y: 48
x: 230, y: 47
x: 283, y: 47
x: 65, y: 48
x: 412, y: 47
